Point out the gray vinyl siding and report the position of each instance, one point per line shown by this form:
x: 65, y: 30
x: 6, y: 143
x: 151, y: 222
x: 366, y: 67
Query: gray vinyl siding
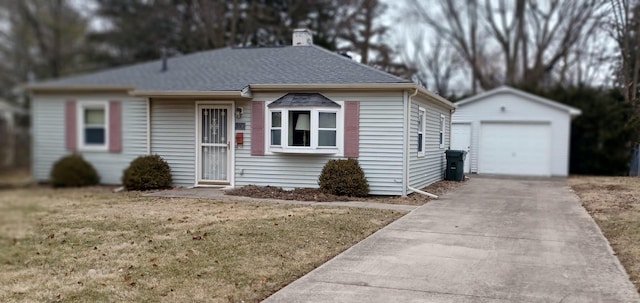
x: 173, y: 137
x: 380, y: 145
x: 381, y: 141
x: 429, y: 168
x: 48, y: 143
x: 48, y: 126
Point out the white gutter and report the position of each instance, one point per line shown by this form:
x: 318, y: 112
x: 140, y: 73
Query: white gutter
x: 76, y: 88
x: 407, y: 154
x: 189, y: 94
x: 354, y: 87
x: 246, y: 92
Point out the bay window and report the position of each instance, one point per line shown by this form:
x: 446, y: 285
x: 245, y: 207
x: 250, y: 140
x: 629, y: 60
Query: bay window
x: 304, y: 123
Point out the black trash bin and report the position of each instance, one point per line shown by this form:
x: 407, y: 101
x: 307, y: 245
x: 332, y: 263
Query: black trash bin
x: 455, y: 165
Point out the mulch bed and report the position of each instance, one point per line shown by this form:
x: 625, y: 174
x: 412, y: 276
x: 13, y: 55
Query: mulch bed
x: 314, y: 194
x: 272, y: 192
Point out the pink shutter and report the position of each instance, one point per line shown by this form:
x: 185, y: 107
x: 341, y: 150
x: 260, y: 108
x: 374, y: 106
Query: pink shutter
x: 257, y: 128
x: 351, y: 129
x: 115, y: 126
x: 70, y: 125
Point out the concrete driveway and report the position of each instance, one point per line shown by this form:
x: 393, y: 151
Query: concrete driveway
x: 492, y: 240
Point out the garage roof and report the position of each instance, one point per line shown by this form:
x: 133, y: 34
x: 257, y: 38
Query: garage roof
x: 506, y: 89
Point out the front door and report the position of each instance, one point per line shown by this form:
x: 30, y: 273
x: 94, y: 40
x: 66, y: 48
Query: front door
x: 214, y: 143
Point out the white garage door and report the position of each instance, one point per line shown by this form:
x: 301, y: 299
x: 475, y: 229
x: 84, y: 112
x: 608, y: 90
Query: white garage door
x: 515, y: 149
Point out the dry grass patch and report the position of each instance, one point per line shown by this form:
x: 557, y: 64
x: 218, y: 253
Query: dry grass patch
x: 614, y: 202
x: 92, y: 245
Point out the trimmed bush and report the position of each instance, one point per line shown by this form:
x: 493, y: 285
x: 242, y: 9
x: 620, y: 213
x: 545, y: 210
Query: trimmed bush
x: 73, y: 171
x: 343, y: 178
x: 147, y: 172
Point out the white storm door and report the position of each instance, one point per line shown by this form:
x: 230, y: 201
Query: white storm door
x: 214, y: 142
x: 461, y: 140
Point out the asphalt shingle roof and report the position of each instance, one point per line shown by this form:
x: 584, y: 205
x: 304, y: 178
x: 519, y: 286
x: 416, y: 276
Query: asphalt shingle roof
x: 233, y: 69
x: 302, y: 100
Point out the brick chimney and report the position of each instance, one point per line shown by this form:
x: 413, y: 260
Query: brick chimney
x: 302, y: 37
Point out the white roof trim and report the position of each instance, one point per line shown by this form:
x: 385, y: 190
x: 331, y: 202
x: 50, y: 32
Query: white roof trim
x: 506, y: 89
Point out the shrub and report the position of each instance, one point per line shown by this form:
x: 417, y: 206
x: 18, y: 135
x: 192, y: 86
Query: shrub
x: 343, y: 178
x: 147, y: 172
x: 73, y: 171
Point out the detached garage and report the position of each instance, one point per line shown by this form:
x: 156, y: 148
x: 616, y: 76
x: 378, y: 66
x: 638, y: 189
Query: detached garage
x: 510, y: 132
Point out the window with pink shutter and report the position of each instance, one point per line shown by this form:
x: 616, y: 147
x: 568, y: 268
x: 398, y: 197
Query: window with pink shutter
x: 115, y: 126
x: 257, y: 128
x: 351, y: 129
x: 71, y: 131
x: 93, y: 126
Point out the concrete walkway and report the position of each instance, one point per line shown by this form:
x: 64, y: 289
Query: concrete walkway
x: 492, y: 240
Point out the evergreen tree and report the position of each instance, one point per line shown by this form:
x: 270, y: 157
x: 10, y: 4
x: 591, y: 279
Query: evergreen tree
x: 602, y: 136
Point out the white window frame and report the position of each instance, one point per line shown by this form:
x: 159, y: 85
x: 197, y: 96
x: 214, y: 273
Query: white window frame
x: 441, y: 137
x: 313, y: 147
x: 422, y: 129
x: 80, y: 109
x: 332, y: 111
x: 270, y: 124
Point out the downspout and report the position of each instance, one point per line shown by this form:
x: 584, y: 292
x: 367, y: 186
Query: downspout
x: 148, y: 126
x: 408, y: 154
x: 405, y: 144
x: 423, y: 192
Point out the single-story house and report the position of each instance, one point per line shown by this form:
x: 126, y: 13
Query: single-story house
x: 508, y: 131
x: 238, y: 116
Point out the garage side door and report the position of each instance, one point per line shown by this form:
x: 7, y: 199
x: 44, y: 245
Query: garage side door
x: 515, y: 149
x: 461, y: 140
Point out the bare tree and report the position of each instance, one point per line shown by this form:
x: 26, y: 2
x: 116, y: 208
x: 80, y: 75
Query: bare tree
x: 505, y: 41
x: 358, y: 26
x: 458, y: 24
x: 56, y: 29
x: 625, y: 28
x: 587, y: 63
x: 39, y: 39
x: 434, y: 62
